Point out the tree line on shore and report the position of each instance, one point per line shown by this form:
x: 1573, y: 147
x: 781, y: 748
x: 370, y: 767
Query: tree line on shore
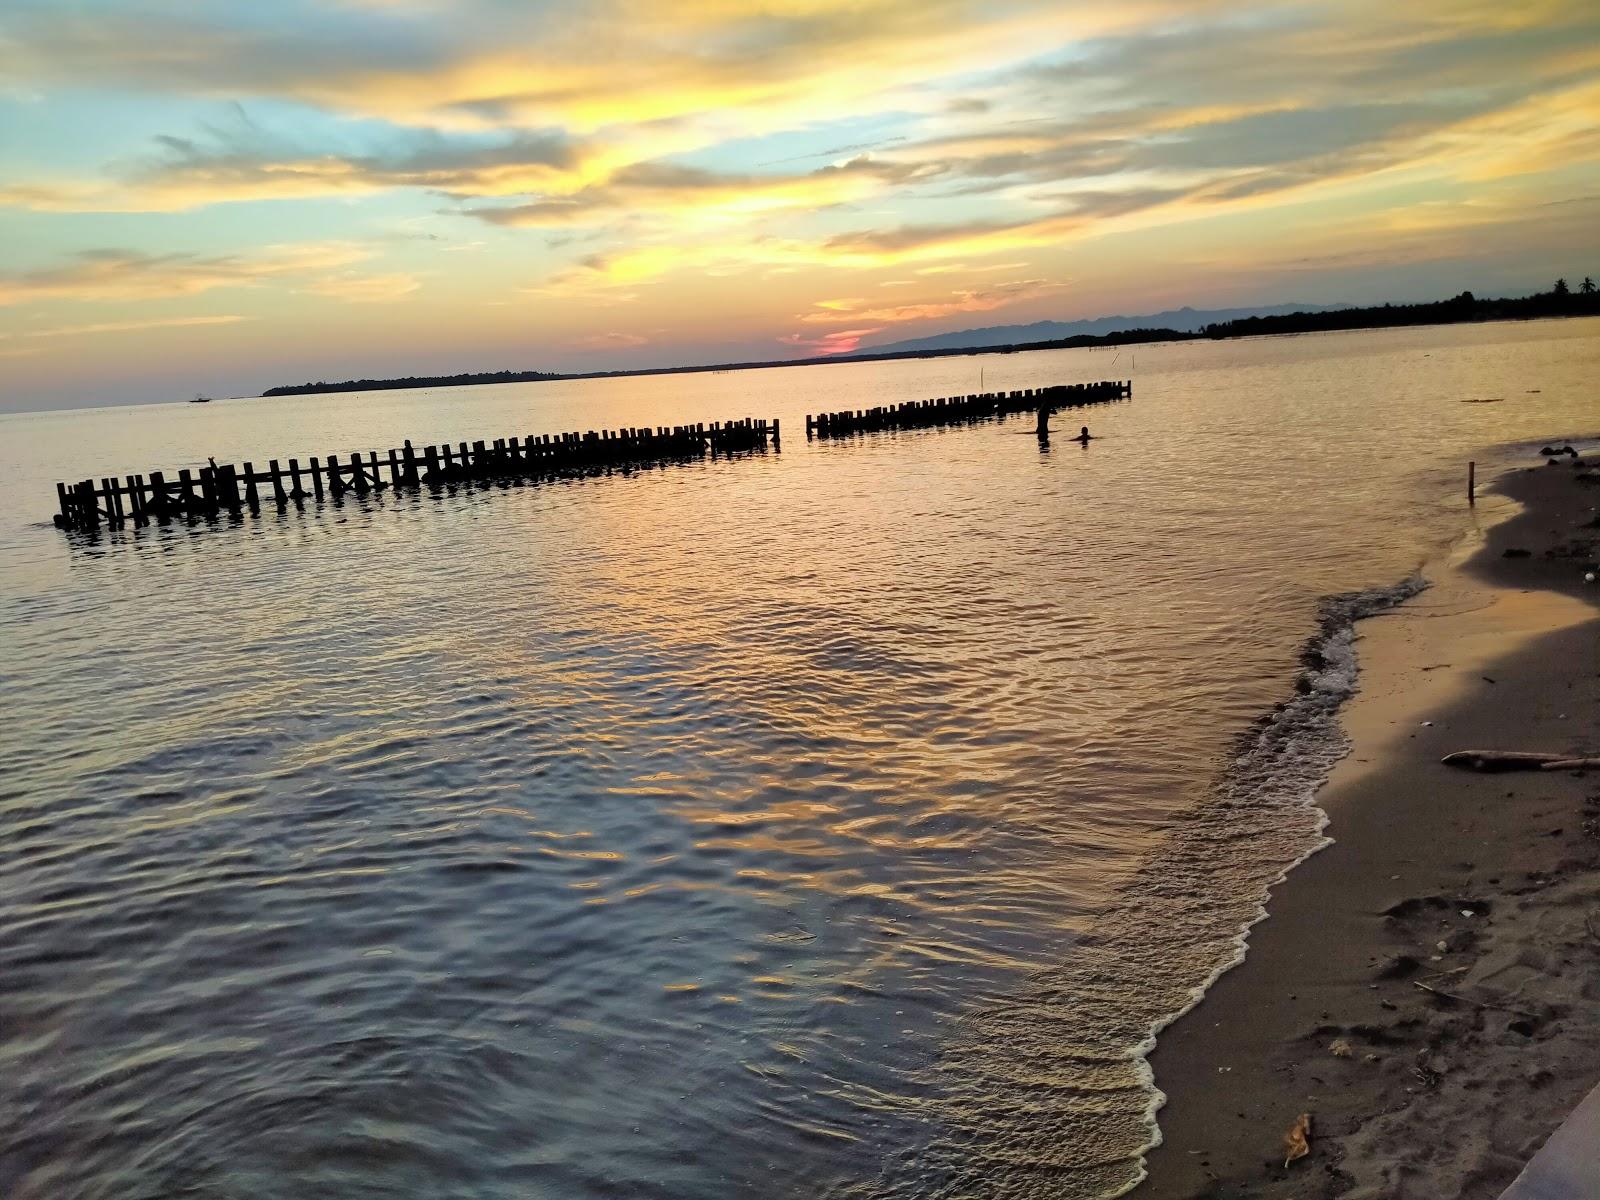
x: 1562, y: 300
x: 412, y: 381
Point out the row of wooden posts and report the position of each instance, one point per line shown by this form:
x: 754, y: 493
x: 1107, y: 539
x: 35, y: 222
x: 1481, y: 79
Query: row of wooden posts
x: 953, y: 410
x: 214, y: 489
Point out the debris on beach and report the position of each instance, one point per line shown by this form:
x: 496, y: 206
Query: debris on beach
x: 1501, y: 760
x: 1297, y: 1142
x: 1340, y: 1048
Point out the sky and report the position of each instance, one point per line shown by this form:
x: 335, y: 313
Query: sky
x: 220, y: 196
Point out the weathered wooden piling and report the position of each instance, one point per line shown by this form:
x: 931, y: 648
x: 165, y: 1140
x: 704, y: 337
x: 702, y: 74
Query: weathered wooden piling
x: 956, y: 410
x: 84, y: 505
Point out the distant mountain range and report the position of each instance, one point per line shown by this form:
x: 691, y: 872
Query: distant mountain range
x: 1184, y: 320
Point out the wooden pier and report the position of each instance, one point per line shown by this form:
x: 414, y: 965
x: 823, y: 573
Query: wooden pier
x: 957, y: 410
x: 216, y: 489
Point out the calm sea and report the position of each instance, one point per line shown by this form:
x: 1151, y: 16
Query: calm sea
x: 834, y: 822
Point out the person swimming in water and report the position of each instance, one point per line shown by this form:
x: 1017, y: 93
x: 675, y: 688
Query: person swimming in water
x: 1083, y: 436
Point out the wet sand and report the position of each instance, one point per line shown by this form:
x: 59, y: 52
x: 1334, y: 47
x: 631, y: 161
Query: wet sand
x: 1428, y: 987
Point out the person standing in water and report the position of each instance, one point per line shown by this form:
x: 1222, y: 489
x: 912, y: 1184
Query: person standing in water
x: 1043, y: 427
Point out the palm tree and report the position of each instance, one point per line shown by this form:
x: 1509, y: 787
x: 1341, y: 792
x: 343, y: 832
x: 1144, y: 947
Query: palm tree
x: 1587, y: 288
x: 1561, y: 288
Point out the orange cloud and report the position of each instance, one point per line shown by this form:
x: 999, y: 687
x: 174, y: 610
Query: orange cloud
x: 613, y: 341
x: 841, y: 341
x: 964, y: 301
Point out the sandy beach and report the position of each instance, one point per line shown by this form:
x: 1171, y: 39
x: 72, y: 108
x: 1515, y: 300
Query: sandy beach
x: 1426, y: 987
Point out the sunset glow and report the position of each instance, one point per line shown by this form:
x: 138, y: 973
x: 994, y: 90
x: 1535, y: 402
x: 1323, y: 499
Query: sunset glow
x: 226, y: 196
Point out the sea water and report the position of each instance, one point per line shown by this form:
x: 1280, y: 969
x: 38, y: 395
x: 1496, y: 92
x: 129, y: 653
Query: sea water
x: 839, y: 821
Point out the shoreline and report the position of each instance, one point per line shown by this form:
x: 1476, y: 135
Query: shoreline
x: 1440, y: 1094
x: 1085, y: 341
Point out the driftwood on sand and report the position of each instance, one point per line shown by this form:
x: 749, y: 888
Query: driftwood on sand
x: 1518, y: 760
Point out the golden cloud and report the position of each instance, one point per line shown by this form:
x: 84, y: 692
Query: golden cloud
x: 131, y: 275
x: 964, y: 301
x: 364, y: 289
x: 132, y: 326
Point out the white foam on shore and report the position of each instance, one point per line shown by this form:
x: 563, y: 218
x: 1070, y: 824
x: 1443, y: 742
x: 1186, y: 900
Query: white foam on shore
x: 1048, y: 1093
x: 1329, y: 678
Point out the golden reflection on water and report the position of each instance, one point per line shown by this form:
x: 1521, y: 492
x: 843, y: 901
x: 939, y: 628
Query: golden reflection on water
x: 687, y: 832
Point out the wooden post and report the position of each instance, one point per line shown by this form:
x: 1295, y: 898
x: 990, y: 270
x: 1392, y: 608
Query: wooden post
x: 431, y: 456
x: 296, y: 492
x: 377, y: 479
x: 66, y: 506
x: 1472, y: 483
x: 91, y: 508
x: 394, y: 467
x: 136, y: 499
x: 316, y: 478
x: 208, y: 488
x: 335, y: 484
x: 186, y: 489
x: 277, y: 483
x: 250, y: 496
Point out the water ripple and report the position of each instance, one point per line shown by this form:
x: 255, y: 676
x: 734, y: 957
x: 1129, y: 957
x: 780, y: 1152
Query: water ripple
x: 830, y: 822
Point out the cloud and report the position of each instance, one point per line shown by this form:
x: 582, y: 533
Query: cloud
x: 132, y: 326
x: 841, y: 341
x: 120, y: 274
x: 966, y: 300
x: 240, y: 161
x: 613, y: 341
x: 483, y: 63
x: 660, y: 187
x: 364, y: 289
x: 603, y: 146
x: 1476, y: 228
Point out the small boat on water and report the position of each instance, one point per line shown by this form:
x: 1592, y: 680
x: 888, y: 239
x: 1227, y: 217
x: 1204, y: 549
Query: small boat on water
x: 201, y: 400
